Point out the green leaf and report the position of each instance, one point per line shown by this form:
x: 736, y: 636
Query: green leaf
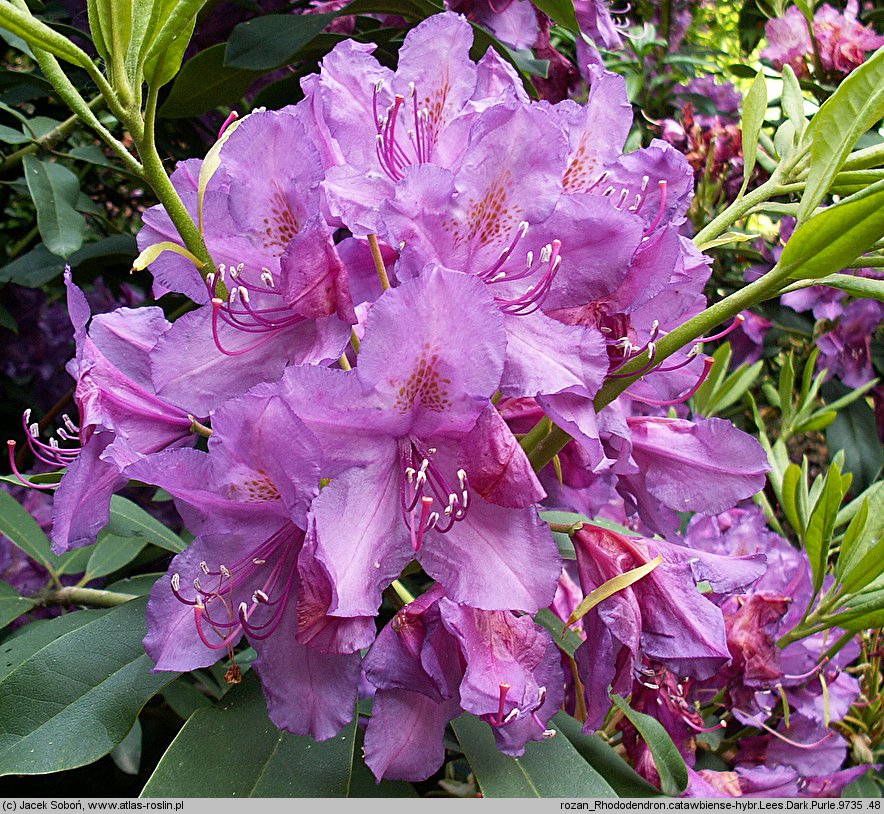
x: 785, y: 389
x: 12, y: 604
x: 551, y: 768
x: 598, y: 754
x: 127, y: 753
x: 111, y: 553
x: 7, y: 321
x: 129, y: 520
x: 184, y: 698
x: 754, y: 111
x: 161, y: 67
x: 817, y: 537
x: 567, y: 640
x: 860, y: 287
x: 725, y: 239
x: 205, y: 83
x: 55, y: 190
x: 834, y: 130
x: 82, y: 693
x: 562, y: 11
x: 670, y: 764
x: 8, y: 135
x: 836, y: 236
x: 789, y: 497
x: 139, y: 585
x: 861, y: 560
x: 24, y: 532
x: 856, y: 432
x: 252, y: 758
x: 268, y: 42
x: 793, y: 100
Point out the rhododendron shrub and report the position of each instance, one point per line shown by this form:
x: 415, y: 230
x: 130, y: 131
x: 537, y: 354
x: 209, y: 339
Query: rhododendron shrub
x: 437, y: 381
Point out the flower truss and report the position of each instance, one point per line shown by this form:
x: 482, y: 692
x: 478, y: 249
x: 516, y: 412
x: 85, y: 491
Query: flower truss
x: 414, y: 272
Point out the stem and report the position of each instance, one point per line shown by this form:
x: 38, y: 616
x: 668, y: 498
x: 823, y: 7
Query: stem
x: 155, y: 174
x: 839, y: 644
x: 50, y: 140
x: 538, y: 432
x: 738, y: 209
x: 70, y: 595
x: 378, y: 262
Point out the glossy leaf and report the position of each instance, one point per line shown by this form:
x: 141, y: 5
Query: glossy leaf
x: 856, y: 432
x: 817, y: 537
x: 861, y: 559
x: 127, y: 754
x: 562, y: 11
x: 836, y: 236
x: 55, y: 191
x: 252, y: 758
x: 670, y: 764
x: 23, y: 531
x: 12, y: 604
x: 111, y: 553
x: 129, y: 520
x: 82, y: 692
x: 754, y: 111
x: 595, y: 751
x: 273, y: 40
x: 205, y: 83
x: 860, y: 287
x: 834, y: 130
x: 552, y: 768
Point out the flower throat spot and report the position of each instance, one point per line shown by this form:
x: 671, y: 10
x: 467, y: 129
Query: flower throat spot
x: 259, y: 488
x: 425, y: 385
x: 281, y: 226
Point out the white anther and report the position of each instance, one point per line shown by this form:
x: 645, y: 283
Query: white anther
x: 234, y: 271
x: 34, y: 430
x: 680, y: 689
x: 197, y: 584
x: 64, y: 435
x: 529, y: 259
x: 244, y: 293
x: 232, y: 296
x: 424, y: 114
x: 53, y: 443
x: 541, y: 696
x: 605, y: 330
x: 243, y: 610
x: 645, y: 181
x: 549, y: 733
x: 240, y: 267
x: 623, y: 194
x: 411, y: 88
x: 258, y: 562
x: 659, y: 701
x: 452, y: 502
x: 499, y: 276
x: 376, y: 564
x: 692, y: 560
x: 409, y: 473
x: 546, y: 253
x: 401, y: 245
x: 650, y: 685
x: 224, y: 572
x: 432, y: 450
x: 204, y: 567
x: 379, y: 138
x: 637, y: 204
x: 379, y: 85
x: 176, y: 582
x: 512, y: 716
x: 432, y: 520
x: 522, y: 229
x: 556, y: 264
x: 420, y: 479
x: 221, y: 269
x: 608, y: 191
x: 462, y: 478
x: 27, y: 415
x: 424, y: 464
x: 210, y: 279
x: 260, y: 596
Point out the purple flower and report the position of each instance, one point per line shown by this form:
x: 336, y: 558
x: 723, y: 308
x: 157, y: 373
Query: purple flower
x: 121, y: 418
x: 513, y: 22
x: 660, y: 618
x: 845, y: 351
x: 249, y: 571
x: 747, y: 341
x: 288, y: 298
x: 438, y: 476
x: 437, y: 658
x: 788, y: 41
x: 842, y: 39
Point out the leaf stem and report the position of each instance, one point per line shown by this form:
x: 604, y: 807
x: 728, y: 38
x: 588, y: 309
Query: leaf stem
x: 71, y: 595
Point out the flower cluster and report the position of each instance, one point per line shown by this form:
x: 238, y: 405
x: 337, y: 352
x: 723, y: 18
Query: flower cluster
x: 839, y: 39
x: 414, y: 271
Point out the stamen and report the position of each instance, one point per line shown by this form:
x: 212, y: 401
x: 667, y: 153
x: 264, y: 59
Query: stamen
x: 227, y: 122
x: 662, y: 185
x: 739, y: 319
x: 707, y: 366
